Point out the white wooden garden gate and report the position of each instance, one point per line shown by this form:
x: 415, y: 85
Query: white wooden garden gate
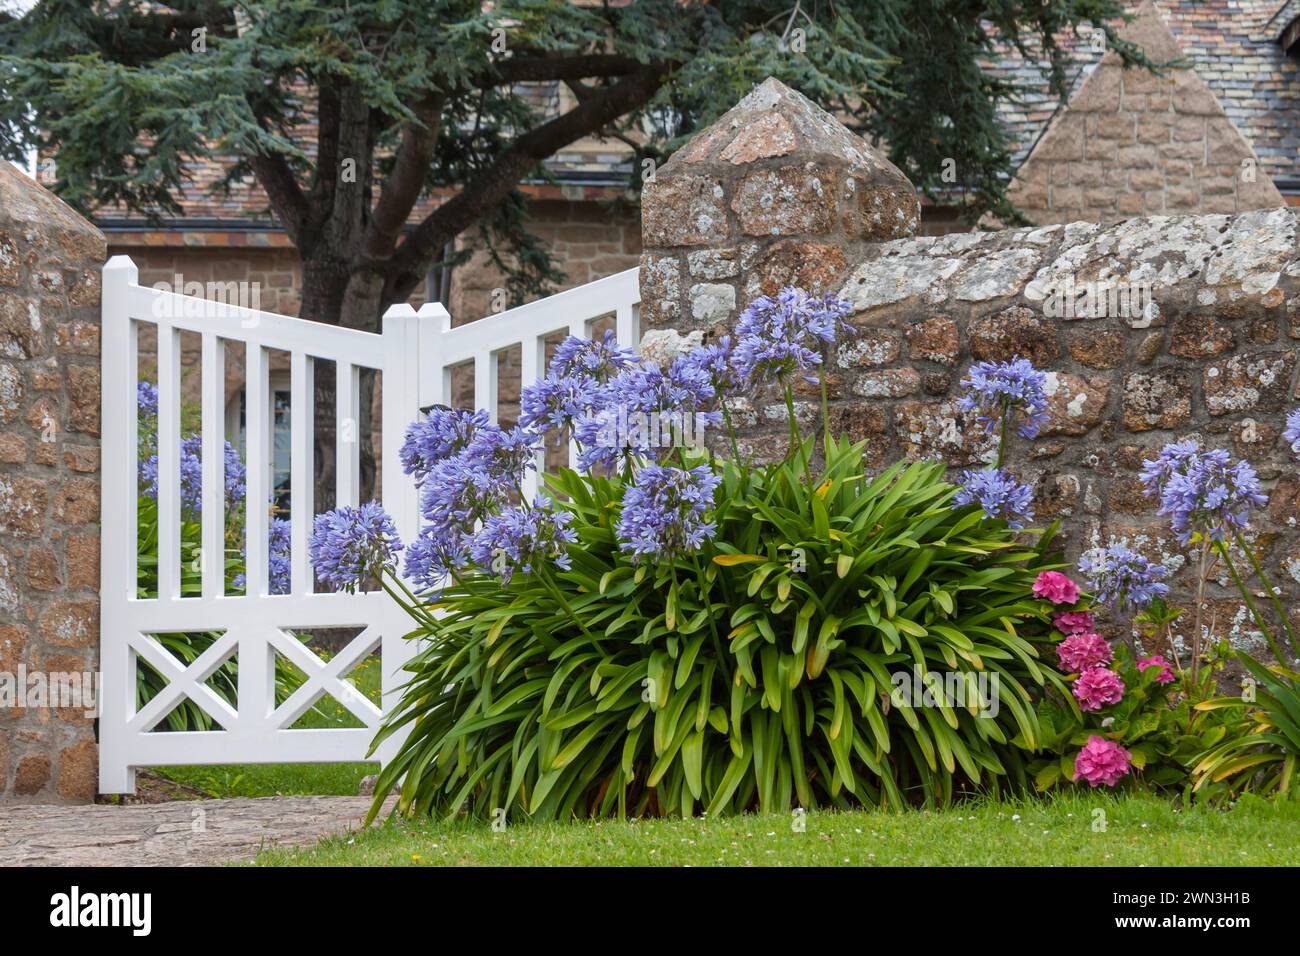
x: 415, y: 355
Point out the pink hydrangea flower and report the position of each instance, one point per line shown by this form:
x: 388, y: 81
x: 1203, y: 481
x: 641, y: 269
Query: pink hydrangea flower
x: 1056, y: 587
x: 1101, y: 761
x: 1098, y: 687
x: 1079, y: 652
x: 1166, y: 674
x: 1074, y: 622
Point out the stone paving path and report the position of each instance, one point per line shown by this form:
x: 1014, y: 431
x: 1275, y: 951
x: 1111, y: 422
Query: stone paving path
x: 177, y: 833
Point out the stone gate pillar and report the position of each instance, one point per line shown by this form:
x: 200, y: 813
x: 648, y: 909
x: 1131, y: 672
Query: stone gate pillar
x: 49, y: 492
x: 776, y: 192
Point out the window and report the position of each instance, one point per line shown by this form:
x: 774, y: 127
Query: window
x: 278, y: 467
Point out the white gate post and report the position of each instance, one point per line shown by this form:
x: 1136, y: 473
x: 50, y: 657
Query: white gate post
x: 117, y: 541
x: 400, y: 390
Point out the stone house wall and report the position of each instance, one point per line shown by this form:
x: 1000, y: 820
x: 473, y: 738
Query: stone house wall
x: 49, y: 485
x: 1194, y: 333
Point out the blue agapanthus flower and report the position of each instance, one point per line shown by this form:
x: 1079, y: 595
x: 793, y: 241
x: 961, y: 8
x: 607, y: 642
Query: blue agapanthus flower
x: 277, y: 556
x: 1122, y: 578
x: 516, y: 539
x: 191, y: 461
x: 781, y: 336
x: 557, y: 401
x: 1173, y: 459
x: 435, y: 555
x: 599, y: 359
x: 715, y: 361
x: 664, y: 511
x: 278, y: 566
x: 457, y: 494
x: 191, y: 475
x: 350, y: 546
x: 146, y: 396
x: 437, y: 436
x: 1203, y: 492
x: 999, y: 494
x: 1292, y: 431
x: 498, y: 457
x: 644, y: 410
x: 997, y: 389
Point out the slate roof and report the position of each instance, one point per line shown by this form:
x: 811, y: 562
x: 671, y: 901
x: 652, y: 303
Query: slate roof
x: 245, y: 203
x: 1231, y: 44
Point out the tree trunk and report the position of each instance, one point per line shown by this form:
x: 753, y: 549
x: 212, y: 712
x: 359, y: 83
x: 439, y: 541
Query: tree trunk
x: 325, y: 283
x: 361, y: 309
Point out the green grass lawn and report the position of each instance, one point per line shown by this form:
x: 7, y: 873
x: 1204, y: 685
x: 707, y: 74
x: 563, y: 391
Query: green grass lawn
x: 1139, y: 831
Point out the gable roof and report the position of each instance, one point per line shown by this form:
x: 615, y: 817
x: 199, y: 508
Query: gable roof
x: 1230, y: 44
x: 1131, y: 142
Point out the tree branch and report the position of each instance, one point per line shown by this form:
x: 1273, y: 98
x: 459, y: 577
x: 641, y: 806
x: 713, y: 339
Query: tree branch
x: 540, y: 68
x: 495, y: 183
x: 405, y: 182
x: 287, y: 199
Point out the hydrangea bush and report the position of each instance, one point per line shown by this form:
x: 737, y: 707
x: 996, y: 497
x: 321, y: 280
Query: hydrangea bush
x: 1128, y: 719
x: 672, y: 629
x: 1154, y: 719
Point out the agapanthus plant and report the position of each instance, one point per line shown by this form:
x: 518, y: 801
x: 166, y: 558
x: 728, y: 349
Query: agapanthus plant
x: 997, y: 392
x: 627, y: 641
x: 189, y: 645
x: 352, y: 546
x: 999, y: 494
x: 664, y: 511
x: 1122, y: 578
x: 1208, y: 499
x: 777, y: 339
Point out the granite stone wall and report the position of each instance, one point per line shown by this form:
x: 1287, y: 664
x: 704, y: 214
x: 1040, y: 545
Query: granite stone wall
x: 1150, y: 330
x: 49, y: 489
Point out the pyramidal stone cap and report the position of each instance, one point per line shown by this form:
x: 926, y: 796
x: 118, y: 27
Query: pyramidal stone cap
x: 774, y: 166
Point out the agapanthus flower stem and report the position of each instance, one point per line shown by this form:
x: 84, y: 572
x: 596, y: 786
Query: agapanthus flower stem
x: 795, y: 440
x: 826, y: 421
x: 413, y: 607
x: 704, y: 596
x: 1250, y: 601
x: 1002, y: 435
x: 731, y: 433
x: 1202, y: 574
x: 1272, y: 596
